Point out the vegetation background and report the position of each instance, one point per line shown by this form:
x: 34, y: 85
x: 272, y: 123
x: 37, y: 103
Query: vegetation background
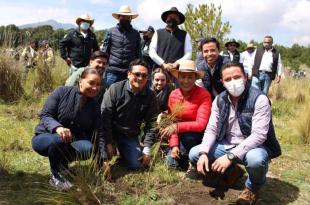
x: 24, y: 174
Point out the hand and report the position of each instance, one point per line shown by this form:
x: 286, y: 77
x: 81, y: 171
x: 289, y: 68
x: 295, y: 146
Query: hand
x: 167, y: 66
x: 175, y: 65
x: 203, y: 164
x: 107, y: 171
x: 221, y: 164
x: 68, y: 61
x: 159, y: 117
x: 278, y: 79
x: 249, y: 77
x: 110, y: 151
x: 64, y: 133
x: 168, y: 131
x: 145, y: 160
x: 175, y: 153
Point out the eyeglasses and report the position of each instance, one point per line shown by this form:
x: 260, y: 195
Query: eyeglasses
x: 140, y: 75
x: 233, y: 45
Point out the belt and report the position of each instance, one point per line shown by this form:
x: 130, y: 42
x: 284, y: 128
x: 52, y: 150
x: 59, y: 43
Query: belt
x: 262, y: 71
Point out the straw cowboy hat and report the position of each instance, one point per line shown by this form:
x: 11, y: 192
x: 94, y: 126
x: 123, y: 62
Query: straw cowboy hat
x: 175, y: 11
x: 125, y: 11
x: 250, y: 45
x: 84, y: 17
x: 187, y: 66
x: 232, y: 41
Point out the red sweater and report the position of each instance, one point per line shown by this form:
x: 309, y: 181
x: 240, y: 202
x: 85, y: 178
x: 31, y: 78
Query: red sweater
x: 195, y: 114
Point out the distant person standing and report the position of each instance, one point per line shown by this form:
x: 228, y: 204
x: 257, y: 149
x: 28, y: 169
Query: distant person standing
x: 247, y: 59
x: 122, y: 43
x: 30, y: 53
x: 169, y: 45
x: 231, y: 53
x: 267, y: 66
x: 145, y: 48
x: 47, y: 54
x: 77, y: 46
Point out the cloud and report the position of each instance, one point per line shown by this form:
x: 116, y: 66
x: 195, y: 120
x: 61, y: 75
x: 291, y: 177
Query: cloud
x: 30, y: 14
x: 101, y: 2
x: 284, y: 19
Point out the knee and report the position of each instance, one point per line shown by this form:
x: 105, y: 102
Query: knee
x: 194, y: 154
x: 256, y: 160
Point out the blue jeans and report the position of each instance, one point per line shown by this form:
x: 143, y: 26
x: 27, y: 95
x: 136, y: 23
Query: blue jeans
x: 60, y: 153
x: 262, y: 82
x: 187, y: 141
x: 113, y: 77
x: 255, y: 162
x: 130, y: 151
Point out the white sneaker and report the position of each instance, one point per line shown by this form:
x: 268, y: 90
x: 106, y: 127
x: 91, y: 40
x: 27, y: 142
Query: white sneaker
x: 60, y: 183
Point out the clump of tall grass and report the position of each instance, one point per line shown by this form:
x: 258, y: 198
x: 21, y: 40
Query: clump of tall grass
x: 302, y: 125
x: 11, y: 72
x: 90, y: 186
x: 4, y: 163
x: 165, y: 120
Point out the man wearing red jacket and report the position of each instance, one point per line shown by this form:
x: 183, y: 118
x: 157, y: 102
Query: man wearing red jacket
x: 191, y: 122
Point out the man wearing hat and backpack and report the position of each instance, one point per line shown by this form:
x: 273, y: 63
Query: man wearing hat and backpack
x: 122, y: 43
x: 170, y: 45
x: 77, y: 46
x: 247, y: 59
x: 231, y: 54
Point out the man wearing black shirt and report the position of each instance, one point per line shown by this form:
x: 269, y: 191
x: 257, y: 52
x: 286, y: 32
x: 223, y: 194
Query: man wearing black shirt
x: 126, y: 105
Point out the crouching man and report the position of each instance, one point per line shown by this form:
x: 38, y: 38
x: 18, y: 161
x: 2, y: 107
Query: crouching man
x: 240, y: 130
x: 126, y: 105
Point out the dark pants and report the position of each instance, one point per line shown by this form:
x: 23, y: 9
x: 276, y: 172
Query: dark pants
x: 112, y: 76
x: 187, y: 141
x: 60, y: 153
x: 130, y: 150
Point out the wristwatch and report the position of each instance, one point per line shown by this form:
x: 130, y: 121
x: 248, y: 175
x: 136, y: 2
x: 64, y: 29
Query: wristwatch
x: 231, y: 156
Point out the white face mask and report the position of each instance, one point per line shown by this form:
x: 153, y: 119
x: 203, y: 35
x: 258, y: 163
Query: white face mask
x: 235, y: 87
x: 84, y: 25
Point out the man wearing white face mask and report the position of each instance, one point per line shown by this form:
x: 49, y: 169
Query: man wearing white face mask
x: 77, y: 46
x: 240, y: 131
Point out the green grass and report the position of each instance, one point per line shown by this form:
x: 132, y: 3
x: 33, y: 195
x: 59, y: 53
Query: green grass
x: 24, y: 174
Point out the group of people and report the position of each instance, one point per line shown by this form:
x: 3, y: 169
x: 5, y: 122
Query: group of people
x: 121, y: 87
x: 31, y: 54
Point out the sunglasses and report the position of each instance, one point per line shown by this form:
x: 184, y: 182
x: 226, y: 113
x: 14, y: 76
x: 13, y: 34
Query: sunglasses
x: 140, y: 75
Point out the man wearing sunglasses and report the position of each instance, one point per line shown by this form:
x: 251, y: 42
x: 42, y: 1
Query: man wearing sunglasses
x: 126, y: 105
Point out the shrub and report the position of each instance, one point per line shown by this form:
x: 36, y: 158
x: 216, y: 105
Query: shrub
x: 11, y: 72
x: 303, y: 125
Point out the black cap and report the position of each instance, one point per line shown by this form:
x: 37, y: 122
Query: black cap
x: 150, y: 29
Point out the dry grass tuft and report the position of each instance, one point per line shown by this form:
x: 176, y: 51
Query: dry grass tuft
x: 303, y: 125
x: 11, y: 72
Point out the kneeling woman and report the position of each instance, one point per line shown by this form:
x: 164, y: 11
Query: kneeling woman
x: 69, y: 122
x: 195, y: 103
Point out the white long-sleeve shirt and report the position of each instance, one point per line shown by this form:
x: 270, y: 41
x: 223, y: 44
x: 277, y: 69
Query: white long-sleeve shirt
x: 158, y: 60
x: 267, y: 60
x: 247, y: 59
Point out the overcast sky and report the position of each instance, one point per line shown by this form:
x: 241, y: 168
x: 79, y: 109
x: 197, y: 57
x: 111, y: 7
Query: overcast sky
x: 288, y: 21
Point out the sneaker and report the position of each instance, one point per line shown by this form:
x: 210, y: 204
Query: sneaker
x: 247, y: 197
x: 60, y: 183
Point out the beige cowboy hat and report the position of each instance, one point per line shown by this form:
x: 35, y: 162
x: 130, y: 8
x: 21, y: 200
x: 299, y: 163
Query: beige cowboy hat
x: 84, y: 17
x: 250, y: 45
x: 187, y: 66
x: 125, y: 11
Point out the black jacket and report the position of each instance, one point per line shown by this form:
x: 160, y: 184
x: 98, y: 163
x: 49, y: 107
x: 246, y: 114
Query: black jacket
x: 78, y: 48
x: 123, y: 112
x: 62, y: 108
x: 123, y: 46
